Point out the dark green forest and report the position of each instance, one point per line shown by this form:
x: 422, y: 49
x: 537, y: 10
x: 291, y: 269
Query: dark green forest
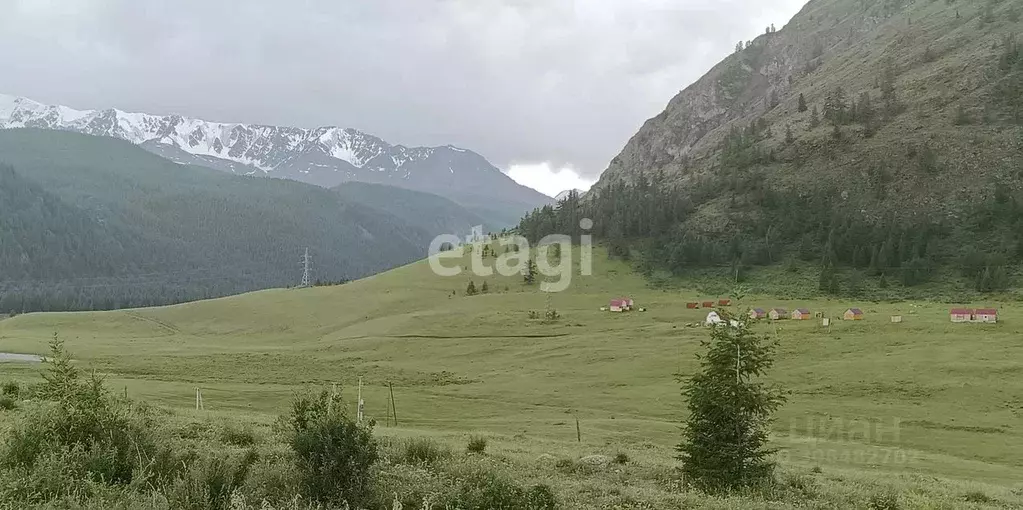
x: 652, y: 225
x: 425, y: 211
x: 90, y: 223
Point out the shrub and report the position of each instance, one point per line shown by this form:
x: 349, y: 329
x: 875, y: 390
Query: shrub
x: 334, y: 454
x: 209, y: 482
x: 977, y: 497
x: 111, y: 439
x: 565, y: 465
x: 541, y: 497
x: 477, y: 444
x: 621, y: 458
x: 884, y: 501
x: 7, y: 403
x: 273, y: 479
x: 485, y: 490
x: 423, y: 451
x: 237, y: 436
x: 10, y: 389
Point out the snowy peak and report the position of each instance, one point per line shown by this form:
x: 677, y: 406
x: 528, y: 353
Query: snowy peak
x: 260, y: 146
x: 325, y: 156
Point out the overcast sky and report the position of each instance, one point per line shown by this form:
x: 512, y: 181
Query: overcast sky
x: 548, y: 90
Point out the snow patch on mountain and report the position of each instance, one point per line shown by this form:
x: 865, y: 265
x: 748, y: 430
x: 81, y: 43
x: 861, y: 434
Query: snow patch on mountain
x: 264, y: 147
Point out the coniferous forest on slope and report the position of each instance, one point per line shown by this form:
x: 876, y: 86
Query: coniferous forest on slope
x: 90, y: 223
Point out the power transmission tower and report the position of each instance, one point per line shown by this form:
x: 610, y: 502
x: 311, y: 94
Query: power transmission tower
x: 306, y: 268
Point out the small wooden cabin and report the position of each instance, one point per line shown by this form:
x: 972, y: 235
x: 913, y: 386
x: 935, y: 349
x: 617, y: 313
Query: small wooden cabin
x: 961, y: 315
x: 617, y: 305
x: 724, y: 302
x: 778, y: 314
x: 692, y: 306
x: 708, y: 304
x: 853, y: 314
x: 757, y: 313
x: 896, y: 319
x: 801, y: 314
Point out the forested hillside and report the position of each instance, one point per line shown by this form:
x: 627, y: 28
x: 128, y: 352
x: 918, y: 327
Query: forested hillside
x: 433, y: 214
x: 96, y: 223
x: 874, y: 139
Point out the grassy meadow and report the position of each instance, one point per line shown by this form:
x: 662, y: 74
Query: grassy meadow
x: 928, y: 409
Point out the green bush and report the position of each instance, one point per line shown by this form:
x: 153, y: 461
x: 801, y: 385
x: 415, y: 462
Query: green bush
x: 484, y: 490
x: 541, y: 497
x: 237, y: 436
x: 7, y: 403
x: 273, y: 479
x: 209, y: 482
x: 477, y: 444
x: 977, y: 497
x: 109, y: 439
x: 884, y: 501
x: 10, y: 389
x: 621, y: 458
x: 424, y: 451
x: 334, y: 454
x: 567, y: 466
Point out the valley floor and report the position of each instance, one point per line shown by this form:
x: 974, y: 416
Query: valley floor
x: 925, y: 407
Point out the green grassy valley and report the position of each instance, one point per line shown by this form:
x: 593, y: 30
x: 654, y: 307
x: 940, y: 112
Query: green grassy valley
x: 928, y: 410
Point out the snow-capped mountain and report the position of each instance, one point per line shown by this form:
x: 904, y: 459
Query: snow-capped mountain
x: 325, y: 156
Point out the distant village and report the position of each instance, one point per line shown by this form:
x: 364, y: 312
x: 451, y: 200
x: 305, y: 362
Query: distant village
x: 956, y: 315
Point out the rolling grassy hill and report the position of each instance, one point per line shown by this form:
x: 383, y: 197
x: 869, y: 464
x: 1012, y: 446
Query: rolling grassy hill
x: 873, y: 404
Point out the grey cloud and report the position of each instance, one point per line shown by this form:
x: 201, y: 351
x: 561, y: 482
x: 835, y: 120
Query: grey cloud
x: 565, y: 81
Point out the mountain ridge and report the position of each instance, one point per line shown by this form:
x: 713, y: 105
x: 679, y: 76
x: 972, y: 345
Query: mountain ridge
x: 325, y: 156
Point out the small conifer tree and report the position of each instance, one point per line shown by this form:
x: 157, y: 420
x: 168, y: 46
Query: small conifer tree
x: 724, y: 441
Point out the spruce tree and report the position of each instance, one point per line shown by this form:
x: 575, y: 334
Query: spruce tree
x: 815, y: 118
x: 802, y: 103
x: 471, y: 289
x: 530, y: 276
x: 724, y: 440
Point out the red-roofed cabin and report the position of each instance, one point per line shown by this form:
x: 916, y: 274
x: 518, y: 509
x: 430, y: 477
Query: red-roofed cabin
x: 985, y: 315
x: 621, y: 305
x: 708, y: 304
x: 724, y: 302
x: 961, y: 315
x: 692, y: 306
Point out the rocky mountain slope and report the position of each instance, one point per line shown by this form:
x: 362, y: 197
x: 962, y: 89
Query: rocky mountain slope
x: 880, y: 141
x: 325, y: 156
x: 907, y: 107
